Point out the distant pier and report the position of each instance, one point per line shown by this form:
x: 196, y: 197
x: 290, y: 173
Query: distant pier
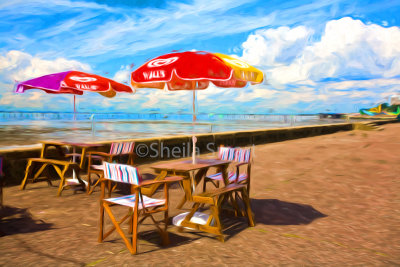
x: 332, y: 115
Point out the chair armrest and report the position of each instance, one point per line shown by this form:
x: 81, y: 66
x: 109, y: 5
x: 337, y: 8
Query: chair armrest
x: 241, y: 163
x: 166, y: 180
x: 99, y: 156
x: 98, y: 153
x: 70, y: 155
x: 238, y: 167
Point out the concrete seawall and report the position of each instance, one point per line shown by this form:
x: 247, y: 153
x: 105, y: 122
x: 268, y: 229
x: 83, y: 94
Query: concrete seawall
x: 162, y: 148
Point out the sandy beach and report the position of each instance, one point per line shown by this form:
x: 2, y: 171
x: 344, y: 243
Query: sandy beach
x: 329, y: 200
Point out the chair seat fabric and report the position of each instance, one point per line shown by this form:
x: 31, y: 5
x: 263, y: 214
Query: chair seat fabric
x: 129, y: 201
x: 231, y: 177
x: 97, y: 157
x: 74, y: 182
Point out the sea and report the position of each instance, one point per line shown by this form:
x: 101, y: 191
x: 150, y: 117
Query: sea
x: 27, y: 129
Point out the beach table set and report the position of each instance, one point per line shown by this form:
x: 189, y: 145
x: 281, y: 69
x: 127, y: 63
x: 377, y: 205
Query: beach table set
x: 140, y: 202
x: 191, y: 70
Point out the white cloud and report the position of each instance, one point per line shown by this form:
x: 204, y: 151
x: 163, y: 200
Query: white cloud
x: 297, y: 63
x: 304, y: 67
x: 347, y: 49
x: 349, y: 58
x: 367, y: 84
x: 123, y: 75
x: 19, y: 66
x: 275, y: 46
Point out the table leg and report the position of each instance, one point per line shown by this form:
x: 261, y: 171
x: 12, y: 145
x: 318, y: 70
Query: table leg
x: 199, y: 176
x: 28, y: 172
x: 186, y: 184
x: 83, y: 156
x: 224, y: 171
x: 189, y: 185
x: 73, y: 160
x: 43, y: 152
x: 45, y: 147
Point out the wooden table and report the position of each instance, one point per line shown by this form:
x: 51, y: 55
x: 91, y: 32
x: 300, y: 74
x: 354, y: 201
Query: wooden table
x: 61, y: 166
x: 59, y: 144
x: 186, y: 169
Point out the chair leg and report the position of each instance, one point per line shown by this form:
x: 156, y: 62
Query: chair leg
x: 204, y: 184
x: 131, y: 248
x: 131, y: 221
x: 188, y: 217
x: 101, y: 232
x: 218, y: 224
x: 165, y: 236
x: 89, y: 182
x: 109, y: 188
x: 62, y: 176
x: 91, y: 189
x: 249, y: 212
x: 234, y: 203
x: 242, y: 211
x: 27, y: 174
x: 135, y: 215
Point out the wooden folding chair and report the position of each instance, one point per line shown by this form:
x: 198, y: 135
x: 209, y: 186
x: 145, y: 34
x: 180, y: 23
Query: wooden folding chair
x: 139, y: 206
x: 241, y: 157
x: 96, y: 158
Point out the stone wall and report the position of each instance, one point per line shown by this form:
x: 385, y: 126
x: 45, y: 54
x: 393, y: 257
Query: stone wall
x: 179, y: 146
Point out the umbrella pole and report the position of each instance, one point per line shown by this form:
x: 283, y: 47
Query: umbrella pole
x: 73, y: 155
x: 74, y: 107
x: 194, y: 139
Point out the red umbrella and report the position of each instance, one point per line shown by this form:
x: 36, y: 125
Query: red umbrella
x: 74, y: 82
x: 194, y: 71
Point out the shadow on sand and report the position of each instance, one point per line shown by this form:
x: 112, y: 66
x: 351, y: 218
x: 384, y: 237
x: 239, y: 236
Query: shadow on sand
x: 15, y: 221
x: 267, y: 212
x: 272, y: 212
x: 276, y: 212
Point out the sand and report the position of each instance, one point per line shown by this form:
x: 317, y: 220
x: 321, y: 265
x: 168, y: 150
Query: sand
x: 329, y: 200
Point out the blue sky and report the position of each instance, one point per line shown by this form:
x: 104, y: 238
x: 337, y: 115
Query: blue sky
x: 317, y: 56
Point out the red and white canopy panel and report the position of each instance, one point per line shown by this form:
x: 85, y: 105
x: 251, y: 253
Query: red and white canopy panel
x: 194, y: 71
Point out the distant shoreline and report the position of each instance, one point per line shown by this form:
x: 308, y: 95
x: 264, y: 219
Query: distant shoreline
x: 29, y: 134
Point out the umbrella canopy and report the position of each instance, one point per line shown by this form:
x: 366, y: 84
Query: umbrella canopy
x: 194, y: 71
x: 73, y: 82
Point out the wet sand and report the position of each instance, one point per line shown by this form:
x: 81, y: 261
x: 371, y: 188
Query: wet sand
x: 329, y: 200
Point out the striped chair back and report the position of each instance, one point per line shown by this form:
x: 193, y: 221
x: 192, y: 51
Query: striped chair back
x: 226, y: 153
x: 122, y: 173
x: 242, y: 154
x: 122, y: 148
